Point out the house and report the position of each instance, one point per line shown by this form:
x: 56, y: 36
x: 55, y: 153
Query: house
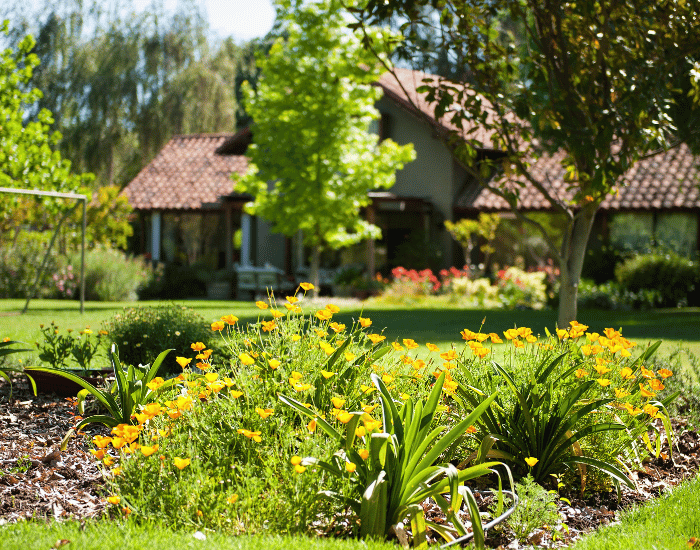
x: 188, y: 211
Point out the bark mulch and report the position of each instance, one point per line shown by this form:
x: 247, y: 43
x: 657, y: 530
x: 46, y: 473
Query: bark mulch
x: 39, y: 480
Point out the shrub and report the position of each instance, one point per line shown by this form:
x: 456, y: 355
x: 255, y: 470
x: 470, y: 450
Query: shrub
x: 674, y: 278
x: 110, y: 275
x: 143, y: 332
x: 20, y: 263
x: 611, y: 295
x: 173, y: 282
x: 518, y: 288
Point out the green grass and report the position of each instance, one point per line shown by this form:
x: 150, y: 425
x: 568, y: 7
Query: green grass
x: 112, y: 535
x: 442, y: 326
x: 667, y: 523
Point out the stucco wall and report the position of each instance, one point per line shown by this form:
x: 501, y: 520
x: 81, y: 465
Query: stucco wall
x: 433, y: 175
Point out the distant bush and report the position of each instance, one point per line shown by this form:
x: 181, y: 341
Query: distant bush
x: 172, y: 282
x: 20, y: 262
x: 110, y: 276
x: 673, y: 278
x: 143, y: 332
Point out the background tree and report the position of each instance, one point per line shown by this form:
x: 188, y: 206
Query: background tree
x: 604, y: 82
x: 469, y: 233
x: 313, y: 160
x: 27, y: 156
x: 121, y: 83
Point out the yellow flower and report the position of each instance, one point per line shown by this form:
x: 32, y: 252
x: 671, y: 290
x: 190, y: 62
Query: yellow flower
x: 350, y: 357
x: 332, y: 308
x: 295, y: 460
x: 276, y: 313
x: 320, y: 333
x: 562, y: 333
x: 387, y: 378
x: 181, y: 463
x: 621, y: 393
x: 108, y: 461
x: 350, y: 467
x: 495, y: 338
x: 601, y: 369
x: 337, y: 327
x: 183, y: 361
x: 360, y: 431
x: 217, y: 326
x: 268, y: 326
x: 480, y: 352
x: 152, y: 409
x: 626, y: 373
x: 307, y: 286
x: 296, y: 338
x: 148, y: 451
x: 114, y: 499
x: 327, y: 348
x: 665, y: 373
x: 367, y: 389
x: 246, y: 359
x: 603, y: 381
x: 468, y: 334
x: 311, y: 426
x: 264, y: 413
x: 197, y: 346
x: 371, y: 425
x: 531, y: 461
x: 232, y: 499
x: 656, y: 385
x: 645, y: 391
x: 364, y: 454
x: 397, y: 346
x: 98, y: 454
x: 324, y: 315
x: 410, y: 343
x: 274, y: 363
x: 101, y: 441
x: 344, y: 417
x: 338, y: 402
x: 156, y: 383
x: 517, y: 343
x: 255, y: 436
x: 511, y: 333
x: 299, y: 469
x: 369, y: 408
x: 450, y: 355
x: 230, y: 319
x: 376, y: 338
x: 432, y: 347
x: 365, y: 322
x: 261, y: 304
x: 651, y: 410
x: 524, y: 332
x: 292, y: 299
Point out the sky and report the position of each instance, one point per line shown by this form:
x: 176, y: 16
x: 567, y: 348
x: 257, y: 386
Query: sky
x: 242, y: 19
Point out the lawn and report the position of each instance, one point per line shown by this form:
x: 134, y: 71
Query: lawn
x: 674, y: 327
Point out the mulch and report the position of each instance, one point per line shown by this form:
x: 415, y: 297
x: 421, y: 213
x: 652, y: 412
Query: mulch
x: 38, y: 480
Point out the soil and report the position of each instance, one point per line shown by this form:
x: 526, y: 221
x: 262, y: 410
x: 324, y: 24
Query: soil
x: 39, y: 480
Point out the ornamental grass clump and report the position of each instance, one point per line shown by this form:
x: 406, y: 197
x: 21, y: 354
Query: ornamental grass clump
x: 575, y: 401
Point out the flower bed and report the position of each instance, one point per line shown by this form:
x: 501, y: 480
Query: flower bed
x: 254, y: 443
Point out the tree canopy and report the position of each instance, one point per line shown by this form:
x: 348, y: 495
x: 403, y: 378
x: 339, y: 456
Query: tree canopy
x: 122, y: 83
x: 28, y: 159
x: 313, y: 159
x: 604, y: 82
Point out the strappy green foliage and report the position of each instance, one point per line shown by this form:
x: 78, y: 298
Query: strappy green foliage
x: 130, y: 388
x: 403, y: 469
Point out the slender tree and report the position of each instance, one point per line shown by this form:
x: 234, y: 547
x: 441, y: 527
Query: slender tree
x: 313, y: 159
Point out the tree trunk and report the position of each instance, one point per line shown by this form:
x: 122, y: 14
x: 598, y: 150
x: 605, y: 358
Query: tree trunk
x: 315, y: 266
x: 572, y: 264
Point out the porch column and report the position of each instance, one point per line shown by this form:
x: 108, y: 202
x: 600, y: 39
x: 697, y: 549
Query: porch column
x: 155, y: 236
x: 246, y: 235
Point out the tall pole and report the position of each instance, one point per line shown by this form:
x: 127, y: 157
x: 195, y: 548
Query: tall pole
x: 82, y: 259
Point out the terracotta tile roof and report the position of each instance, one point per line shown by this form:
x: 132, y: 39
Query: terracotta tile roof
x: 187, y: 174
x: 401, y: 87
x: 668, y: 180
